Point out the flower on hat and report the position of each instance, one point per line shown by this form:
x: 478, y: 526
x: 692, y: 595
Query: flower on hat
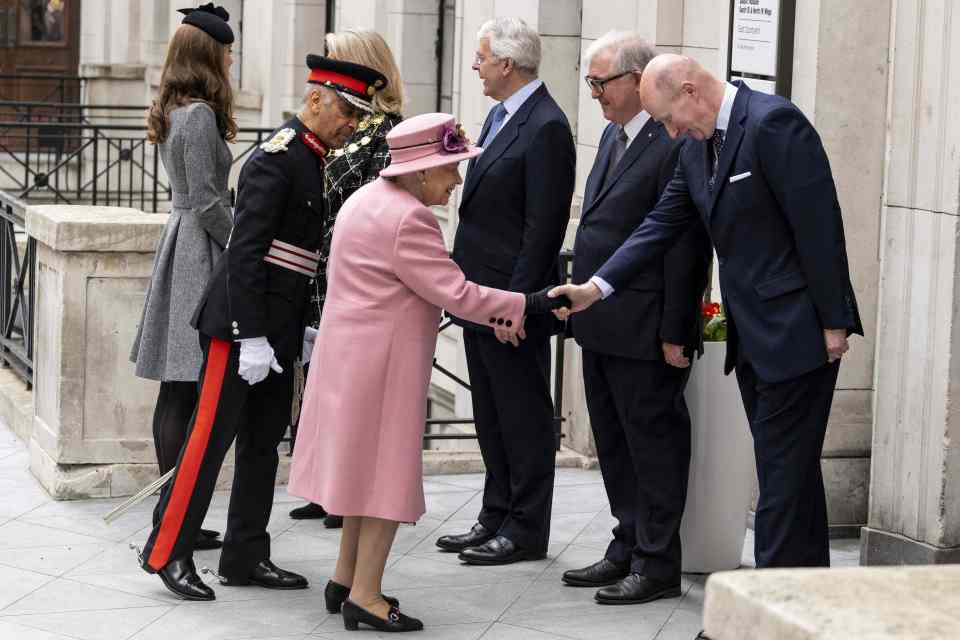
x: 454, y: 139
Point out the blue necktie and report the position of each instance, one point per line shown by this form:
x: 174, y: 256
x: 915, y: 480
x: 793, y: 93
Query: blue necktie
x: 499, y: 114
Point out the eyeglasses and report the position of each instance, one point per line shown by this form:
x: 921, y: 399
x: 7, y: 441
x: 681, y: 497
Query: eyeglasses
x: 598, y: 84
x: 480, y: 59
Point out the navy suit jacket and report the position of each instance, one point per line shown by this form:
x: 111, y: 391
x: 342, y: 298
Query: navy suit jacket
x: 775, y: 221
x: 662, y: 302
x: 516, y: 205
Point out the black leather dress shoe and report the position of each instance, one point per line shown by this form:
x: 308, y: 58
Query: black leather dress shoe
x: 499, y: 550
x: 333, y: 522
x: 599, y: 574
x: 180, y: 577
x: 335, y: 594
x: 354, y: 615
x: 269, y: 576
x: 308, y: 511
x: 637, y: 589
x: 205, y: 541
x: 477, y: 536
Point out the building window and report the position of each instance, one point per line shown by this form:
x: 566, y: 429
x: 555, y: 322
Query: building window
x: 43, y: 22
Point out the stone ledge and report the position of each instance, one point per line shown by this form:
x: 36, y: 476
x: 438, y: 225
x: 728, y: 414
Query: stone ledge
x: 114, y: 71
x: 915, y: 603
x: 878, y: 547
x: 87, y: 228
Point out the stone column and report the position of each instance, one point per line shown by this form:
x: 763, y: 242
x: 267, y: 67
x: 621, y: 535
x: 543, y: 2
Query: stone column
x: 915, y: 479
x: 92, y: 416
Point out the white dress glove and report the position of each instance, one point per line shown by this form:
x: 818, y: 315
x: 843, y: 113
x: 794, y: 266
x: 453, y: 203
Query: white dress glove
x: 256, y: 360
x: 309, y: 337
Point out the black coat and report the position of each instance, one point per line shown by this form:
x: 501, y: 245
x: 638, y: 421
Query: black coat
x: 775, y: 222
x: 280, y: 197
x: 516, y: 205
x: 662, y: 302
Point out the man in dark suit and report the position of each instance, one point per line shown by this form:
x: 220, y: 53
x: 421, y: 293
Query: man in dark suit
x: 513, y: 216
x: 637, y: 343
x: 756, y: 171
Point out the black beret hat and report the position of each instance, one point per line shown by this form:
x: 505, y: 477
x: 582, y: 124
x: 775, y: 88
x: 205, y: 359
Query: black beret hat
x: 354, y: 83
x: 212, y: 20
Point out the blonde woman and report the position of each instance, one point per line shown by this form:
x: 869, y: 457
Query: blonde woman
x: 353, y: 165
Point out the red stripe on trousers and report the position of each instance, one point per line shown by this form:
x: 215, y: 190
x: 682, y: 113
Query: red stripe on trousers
x: 186, y: 478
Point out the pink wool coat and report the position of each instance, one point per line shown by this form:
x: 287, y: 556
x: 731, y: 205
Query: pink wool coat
x: 359, y: 441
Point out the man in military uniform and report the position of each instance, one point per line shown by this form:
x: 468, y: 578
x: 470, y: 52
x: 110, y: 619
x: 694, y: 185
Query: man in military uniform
x: 251, y: 320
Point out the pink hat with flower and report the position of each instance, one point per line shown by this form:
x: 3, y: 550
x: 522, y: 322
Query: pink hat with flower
x: 425, y: 141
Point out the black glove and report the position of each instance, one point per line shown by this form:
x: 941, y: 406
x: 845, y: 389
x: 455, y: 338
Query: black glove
x: 539, y: 302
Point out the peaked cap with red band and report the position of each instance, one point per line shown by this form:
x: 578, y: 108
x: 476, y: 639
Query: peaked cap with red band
x: 354, y: 83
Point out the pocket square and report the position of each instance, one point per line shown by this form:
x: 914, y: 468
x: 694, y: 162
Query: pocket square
x: 740, y: 176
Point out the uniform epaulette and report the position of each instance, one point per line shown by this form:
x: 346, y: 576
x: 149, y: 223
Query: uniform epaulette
x: 279, y: 141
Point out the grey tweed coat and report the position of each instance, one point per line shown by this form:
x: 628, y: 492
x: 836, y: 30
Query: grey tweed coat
x: 197, y: 162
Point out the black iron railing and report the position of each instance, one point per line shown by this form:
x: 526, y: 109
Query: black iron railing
x: 42, y: 87
x: 17, y: 289
x: 85, y: 162
x: 564, y: 265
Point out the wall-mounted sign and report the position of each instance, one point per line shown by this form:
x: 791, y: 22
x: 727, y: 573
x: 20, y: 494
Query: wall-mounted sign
x: 761, y: 43
x: 754, y: 48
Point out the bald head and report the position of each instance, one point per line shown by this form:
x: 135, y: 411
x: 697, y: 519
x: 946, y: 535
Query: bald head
x: 677, y: 91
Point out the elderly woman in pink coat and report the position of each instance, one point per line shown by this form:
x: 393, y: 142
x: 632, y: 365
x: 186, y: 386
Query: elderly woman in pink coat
x: 360, y: 435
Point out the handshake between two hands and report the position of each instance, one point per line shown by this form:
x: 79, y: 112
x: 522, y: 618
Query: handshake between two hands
x: 539, y: 302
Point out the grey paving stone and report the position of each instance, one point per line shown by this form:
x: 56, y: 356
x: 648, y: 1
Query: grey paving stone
x: 118, y: 624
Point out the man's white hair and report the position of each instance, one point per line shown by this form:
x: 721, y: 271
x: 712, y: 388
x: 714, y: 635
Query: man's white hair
x: 512, y: 38
x: 630, y: 51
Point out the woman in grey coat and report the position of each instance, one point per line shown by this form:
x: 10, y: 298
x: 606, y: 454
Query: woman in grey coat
x: 190, y: 121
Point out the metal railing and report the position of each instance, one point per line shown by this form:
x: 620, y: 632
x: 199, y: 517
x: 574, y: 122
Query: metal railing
x: 17, y: 289
x: 86, y: 162
x: 42, y: 87
x: 564, y: 265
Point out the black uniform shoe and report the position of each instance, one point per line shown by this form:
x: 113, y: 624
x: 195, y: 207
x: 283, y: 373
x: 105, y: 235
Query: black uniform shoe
x: 499, y: 550
x: 637, y: 589
x: 599, y: 574
x: 354, y: 614
x: 269, y: 576
x: 477, y: 536
x: 308, y: 511
x: 180, y: 577
x: 206, y: 541
x: 333, y: 522
x: 335, y: 594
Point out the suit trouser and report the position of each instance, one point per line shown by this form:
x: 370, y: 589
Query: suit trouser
x: 641, y: 427
x: 514, y: 419
x: 228, y: 408
x: 789, y: 421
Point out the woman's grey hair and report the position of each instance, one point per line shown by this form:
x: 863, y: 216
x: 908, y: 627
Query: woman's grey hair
x: 513, y: 38
x: 630, y: 51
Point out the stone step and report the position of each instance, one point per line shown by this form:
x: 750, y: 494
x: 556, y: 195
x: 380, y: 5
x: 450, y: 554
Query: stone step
x: 866, y: 603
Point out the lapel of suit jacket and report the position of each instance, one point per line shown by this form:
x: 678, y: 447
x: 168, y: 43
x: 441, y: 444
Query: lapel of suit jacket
x: 647, y: 135
x: 598, y: 170
x: 505, y: 137
x: 483, y: 134
x: 731, y: 143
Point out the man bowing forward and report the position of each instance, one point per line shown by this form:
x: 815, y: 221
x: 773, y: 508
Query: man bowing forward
x: 758, y: 176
